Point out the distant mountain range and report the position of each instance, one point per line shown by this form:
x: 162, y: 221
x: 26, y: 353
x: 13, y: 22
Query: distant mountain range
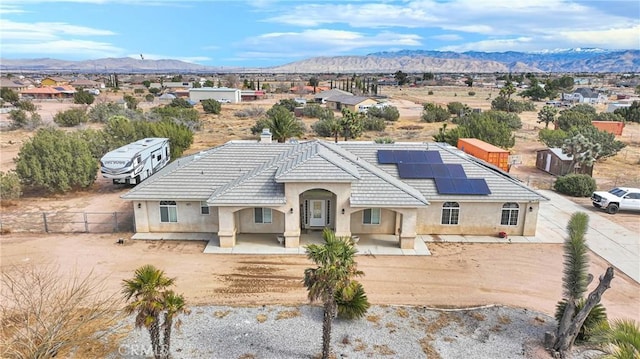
x: 564, y: 60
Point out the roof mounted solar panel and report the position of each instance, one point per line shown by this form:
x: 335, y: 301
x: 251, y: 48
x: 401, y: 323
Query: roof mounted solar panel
x: 456, y: 170
x: 386, y: 157
x: 433, y: 156
x: 440, y: 170
x: 461, y: 186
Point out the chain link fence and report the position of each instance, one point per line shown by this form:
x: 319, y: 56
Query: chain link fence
x: 67, y: 222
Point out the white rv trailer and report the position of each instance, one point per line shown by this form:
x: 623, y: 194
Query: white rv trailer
x: 136, y: 161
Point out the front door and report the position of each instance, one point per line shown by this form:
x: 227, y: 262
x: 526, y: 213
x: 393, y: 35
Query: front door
x: 317, y: 215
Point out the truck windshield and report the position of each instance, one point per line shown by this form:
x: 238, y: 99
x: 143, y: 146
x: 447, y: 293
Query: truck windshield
x: 617, y: 192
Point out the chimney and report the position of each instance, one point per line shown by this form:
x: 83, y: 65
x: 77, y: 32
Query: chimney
x: 265, y: 136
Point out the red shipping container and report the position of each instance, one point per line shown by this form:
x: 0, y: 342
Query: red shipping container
x: 485, y: 151
x: 614, y: 127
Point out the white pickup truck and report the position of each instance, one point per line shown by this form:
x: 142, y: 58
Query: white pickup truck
x: 619, y: 198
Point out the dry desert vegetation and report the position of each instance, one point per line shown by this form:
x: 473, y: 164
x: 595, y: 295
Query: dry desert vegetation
x: 455, y: 275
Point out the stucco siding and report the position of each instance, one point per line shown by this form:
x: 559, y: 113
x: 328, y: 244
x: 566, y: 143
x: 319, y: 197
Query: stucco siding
x: 190, y: 219
x: 475, y: 219
x: 247, y: 224
x: 387, y: 223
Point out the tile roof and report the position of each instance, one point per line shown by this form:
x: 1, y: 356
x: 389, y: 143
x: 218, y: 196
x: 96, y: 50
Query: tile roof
x: 253, y: 173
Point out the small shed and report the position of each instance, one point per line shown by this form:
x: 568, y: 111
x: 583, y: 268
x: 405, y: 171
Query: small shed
x: 553, y: 161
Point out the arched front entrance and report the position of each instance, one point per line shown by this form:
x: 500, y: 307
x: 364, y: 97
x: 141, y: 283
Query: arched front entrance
x: 317, y: 209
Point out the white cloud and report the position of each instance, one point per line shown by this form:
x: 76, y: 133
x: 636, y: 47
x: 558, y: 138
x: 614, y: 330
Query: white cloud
x: 614, y: 38
x: 447, y: 37
x: 514, y: 44
x: 80, y: 48
x: 13, y: 30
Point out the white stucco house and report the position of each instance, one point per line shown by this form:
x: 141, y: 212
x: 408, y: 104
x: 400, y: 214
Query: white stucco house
x: 585, y: 95
x: 354, y: 188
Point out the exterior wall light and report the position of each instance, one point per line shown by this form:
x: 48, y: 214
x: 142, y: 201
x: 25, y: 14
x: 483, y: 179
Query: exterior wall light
x: 291, y: 210
x: 139, y: 205
x: 343, y: 211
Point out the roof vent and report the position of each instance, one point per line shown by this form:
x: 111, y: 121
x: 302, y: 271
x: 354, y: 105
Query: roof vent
x: 265, y: 136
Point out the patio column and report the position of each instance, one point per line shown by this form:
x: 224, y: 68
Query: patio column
x: 408, y: 230
x: 226, y: 227
x: 292, y: 227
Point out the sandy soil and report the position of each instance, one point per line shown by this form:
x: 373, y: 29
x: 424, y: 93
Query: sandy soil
x: 526, y: 276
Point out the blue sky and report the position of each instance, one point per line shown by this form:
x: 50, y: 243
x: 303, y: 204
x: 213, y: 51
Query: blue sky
x: 260, y: 33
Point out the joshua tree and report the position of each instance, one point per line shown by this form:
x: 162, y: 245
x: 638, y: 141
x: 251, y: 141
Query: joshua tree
x: 332, y: 281
x: 575, y: 281
x: 547, y: 115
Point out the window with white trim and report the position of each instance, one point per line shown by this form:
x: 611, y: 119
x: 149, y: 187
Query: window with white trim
x: 509, y: 216
x: 204, y: 207
x: 450, y: 213
x: 168, y: 211
x: 371, y: 216
x: 262, y: 215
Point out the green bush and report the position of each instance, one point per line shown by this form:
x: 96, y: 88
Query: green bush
x: 472, y: 93
x: 71, y: 117
x: 138, y: 91
x: 253, y: 111
x: 10, y: 187
x: 387, y: 113
x: 595, y: 318
x: 374, y: 124
x: 576, y: 185
x: 149, y: 97
x: 180, y: 102
x: 384, y: 140
x: 26, y: 105
x: 82, y: 97
x: 211, y: 106
x: 434, y: 113
x: 502, y: 104
x: 430, y: 92
x: 314, y: 110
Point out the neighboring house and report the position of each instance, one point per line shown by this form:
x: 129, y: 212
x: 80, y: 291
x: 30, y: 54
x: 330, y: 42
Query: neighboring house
x: 177, y: 85
x: 89, y: 84
x: 585, y: 95
x: 15, y: 85
x: 350, y: 102
x: 553, y: 161
x: 215, y: 93
x: 54, y: 81
x: 49, y: 92
x: 354, y: 188
x: 251, y: 95
x: 324, y: 95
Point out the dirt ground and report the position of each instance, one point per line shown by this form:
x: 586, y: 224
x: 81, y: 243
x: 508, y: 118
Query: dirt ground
x: 526, y: 276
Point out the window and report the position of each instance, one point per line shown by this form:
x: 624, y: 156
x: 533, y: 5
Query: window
x: 168, y: 211
x: 509, y: 214
x: 204, y: 207
x: 371, y: 216
x: 450, y: 213
x: 262, y: 215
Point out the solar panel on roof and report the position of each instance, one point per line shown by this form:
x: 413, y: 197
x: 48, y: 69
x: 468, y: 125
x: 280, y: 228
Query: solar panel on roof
x: 473, y: 186
x: 440, y: 171
x: 455, y: 170
x: 386, y: 157
x: 433, y: 156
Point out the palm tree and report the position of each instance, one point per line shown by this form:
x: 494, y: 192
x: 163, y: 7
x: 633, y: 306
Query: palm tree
x: 174, y: 305
x: 336, y: 268
x: 621, y: 339
x: 283, y: 124
x: 146, y: 288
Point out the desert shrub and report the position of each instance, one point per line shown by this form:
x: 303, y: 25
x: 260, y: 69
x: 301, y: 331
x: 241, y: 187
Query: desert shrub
x: 326, y: 127
x: 576, y: 185
x: 98, y: 141
x: 584, y: 108
x: 511, y: 119
x: 552, y: 138
x: 374, y: 124
x: 472, y: 93
x: 180, y: 102
x: 154, y: 90
x: 82, y: 97
x: 138, y: 91
x: 384, y: 140
x: 253, y: 111
x: 387, y: 113
x: 181, y: 115
x: 71, y: 117
x: 19, y: 118
x: 608, y: 116
x: 56, y: 161
x: 569, y: 119
x: 503, y: 104
x: 104, y: 111
x: 9, y: 95
x: 211, y: 106
x: 10, y: 187
x: 430, y: 92
x: 315, y: 111
x: 631, y: 113
x: 434, y: 113
x: 149, y: 97
x: 26, y: 105
x: 289, y: 103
